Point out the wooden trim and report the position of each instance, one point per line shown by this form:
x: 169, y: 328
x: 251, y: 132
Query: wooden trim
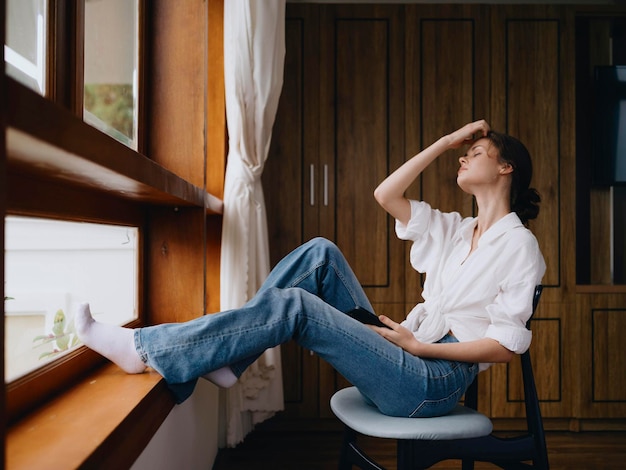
x: 216, y: 132
x: 601, y: 289
x: 142, y: 78
x: 77, y: 57
x: 89, y: 425
x: 216, y: 147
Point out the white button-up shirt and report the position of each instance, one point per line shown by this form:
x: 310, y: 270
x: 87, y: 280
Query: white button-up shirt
x: 487, y: 294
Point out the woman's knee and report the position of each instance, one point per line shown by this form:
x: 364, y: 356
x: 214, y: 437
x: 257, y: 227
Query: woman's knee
x: 322, y: 245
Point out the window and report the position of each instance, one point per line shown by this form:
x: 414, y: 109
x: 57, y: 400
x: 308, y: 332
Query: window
x: 25, y: 48
x: 69, y: 236
x: 50, y: 267
x: 111, y: 64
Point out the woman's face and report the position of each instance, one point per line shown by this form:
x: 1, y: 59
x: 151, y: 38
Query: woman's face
x: 480, y: 166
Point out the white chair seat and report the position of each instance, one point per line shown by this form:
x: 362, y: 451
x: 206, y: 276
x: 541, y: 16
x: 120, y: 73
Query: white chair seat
x: 461, y: 423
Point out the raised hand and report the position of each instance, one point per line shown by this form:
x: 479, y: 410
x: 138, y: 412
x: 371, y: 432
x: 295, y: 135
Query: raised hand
x: 465, y: 135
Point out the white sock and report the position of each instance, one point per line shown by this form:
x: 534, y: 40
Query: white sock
x: 224, y: 377
x: 116, y: 343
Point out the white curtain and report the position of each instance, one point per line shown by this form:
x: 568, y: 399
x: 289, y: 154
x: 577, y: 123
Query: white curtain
x: 254, y: 52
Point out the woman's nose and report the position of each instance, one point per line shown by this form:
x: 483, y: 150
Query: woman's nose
x: 462, y: 159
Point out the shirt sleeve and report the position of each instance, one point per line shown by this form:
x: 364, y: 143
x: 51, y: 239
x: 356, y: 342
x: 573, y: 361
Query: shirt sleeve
x: 512, y: 307
x: 430, y: 230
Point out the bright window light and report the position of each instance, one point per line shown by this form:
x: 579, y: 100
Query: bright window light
x: 25, y: 48
x: 50, y: 268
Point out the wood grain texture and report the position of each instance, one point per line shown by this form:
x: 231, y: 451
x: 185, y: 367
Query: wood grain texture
x: 177, y: 84
x: 120, y: 405
x: 175, y: 244
x: 602, y: 355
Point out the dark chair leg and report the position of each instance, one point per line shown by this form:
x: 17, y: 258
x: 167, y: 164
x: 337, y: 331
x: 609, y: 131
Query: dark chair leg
x: 406, y: 455
x: 352, y: 455
x: 349, y: 436
x: 467, y: 465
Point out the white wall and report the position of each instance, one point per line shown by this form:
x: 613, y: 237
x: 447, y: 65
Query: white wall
x: 188, y: 437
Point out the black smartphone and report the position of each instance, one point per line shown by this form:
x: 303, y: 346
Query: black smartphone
x: 365, y: 316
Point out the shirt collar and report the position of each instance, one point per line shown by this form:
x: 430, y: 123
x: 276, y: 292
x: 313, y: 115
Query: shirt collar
x: 506, y: 223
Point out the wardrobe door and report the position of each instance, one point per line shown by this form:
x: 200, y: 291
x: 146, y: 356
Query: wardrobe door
x: 362, y: 138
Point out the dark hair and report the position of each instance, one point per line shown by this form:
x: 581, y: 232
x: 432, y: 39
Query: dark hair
x: 524, y: 199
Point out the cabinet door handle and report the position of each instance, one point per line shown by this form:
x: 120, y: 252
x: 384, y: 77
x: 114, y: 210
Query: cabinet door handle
x: 312, y: 184
x: 325, y: 185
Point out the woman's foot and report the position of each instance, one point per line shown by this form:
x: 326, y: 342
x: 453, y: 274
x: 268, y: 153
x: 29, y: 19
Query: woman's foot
x: 223, y: 378
x: 114, y: 342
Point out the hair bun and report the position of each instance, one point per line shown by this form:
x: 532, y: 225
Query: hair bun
x: 526, y: 205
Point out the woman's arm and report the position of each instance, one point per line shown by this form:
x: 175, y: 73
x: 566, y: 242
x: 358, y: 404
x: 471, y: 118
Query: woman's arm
x: 390, y: 193
x: 481, y: 350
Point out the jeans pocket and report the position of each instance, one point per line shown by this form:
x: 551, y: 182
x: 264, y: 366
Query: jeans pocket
x: 439, y: 407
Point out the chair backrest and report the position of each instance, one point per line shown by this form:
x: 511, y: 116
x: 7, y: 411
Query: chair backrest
x: 531, y: 400
x: 530, y: 391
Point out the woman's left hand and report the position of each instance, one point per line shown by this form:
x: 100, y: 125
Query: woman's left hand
x: 398, y: 335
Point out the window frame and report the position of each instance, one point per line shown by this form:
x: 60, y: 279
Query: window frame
x: 55, y: 199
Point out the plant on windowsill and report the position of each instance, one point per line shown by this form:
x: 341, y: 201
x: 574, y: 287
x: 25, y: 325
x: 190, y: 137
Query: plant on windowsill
x: 62, y: 337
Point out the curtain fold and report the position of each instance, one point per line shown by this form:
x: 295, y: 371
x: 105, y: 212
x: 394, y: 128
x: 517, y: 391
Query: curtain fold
x: 254, y: 51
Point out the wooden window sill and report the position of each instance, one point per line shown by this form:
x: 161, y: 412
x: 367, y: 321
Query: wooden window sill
x: 46, y: 141
x: 88, y: 425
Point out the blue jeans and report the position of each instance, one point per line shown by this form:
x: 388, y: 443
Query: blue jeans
x: 303, y: 299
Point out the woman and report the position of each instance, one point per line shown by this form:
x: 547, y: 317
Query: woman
x: 481, y: 274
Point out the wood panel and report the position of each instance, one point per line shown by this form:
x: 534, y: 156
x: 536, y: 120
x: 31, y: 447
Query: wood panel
x: 284, y: 173
x: 175, y: 256
x: 533, y: 90
x: 362, y: 138
x: 609, y: 357
x: 362, y: 110
x: 176, y: 112
x: 602, y: 357
x: 447, y: 55
x: 599, y: 247
x: 216, y: 132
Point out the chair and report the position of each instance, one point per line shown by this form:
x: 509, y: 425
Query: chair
x: 463, y: 434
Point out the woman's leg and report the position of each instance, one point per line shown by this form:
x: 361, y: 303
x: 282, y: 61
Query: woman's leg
x: 319, y: 267
x: 397, y: 382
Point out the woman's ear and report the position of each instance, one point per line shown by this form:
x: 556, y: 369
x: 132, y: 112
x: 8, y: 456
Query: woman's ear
x: 506, y: 169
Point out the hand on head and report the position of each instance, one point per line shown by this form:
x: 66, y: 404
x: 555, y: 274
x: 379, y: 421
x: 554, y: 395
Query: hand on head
x: 465, y: 135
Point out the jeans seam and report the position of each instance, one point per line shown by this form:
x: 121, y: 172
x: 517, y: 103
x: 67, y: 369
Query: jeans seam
x: 138, y: 346
x: 440, y: 400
